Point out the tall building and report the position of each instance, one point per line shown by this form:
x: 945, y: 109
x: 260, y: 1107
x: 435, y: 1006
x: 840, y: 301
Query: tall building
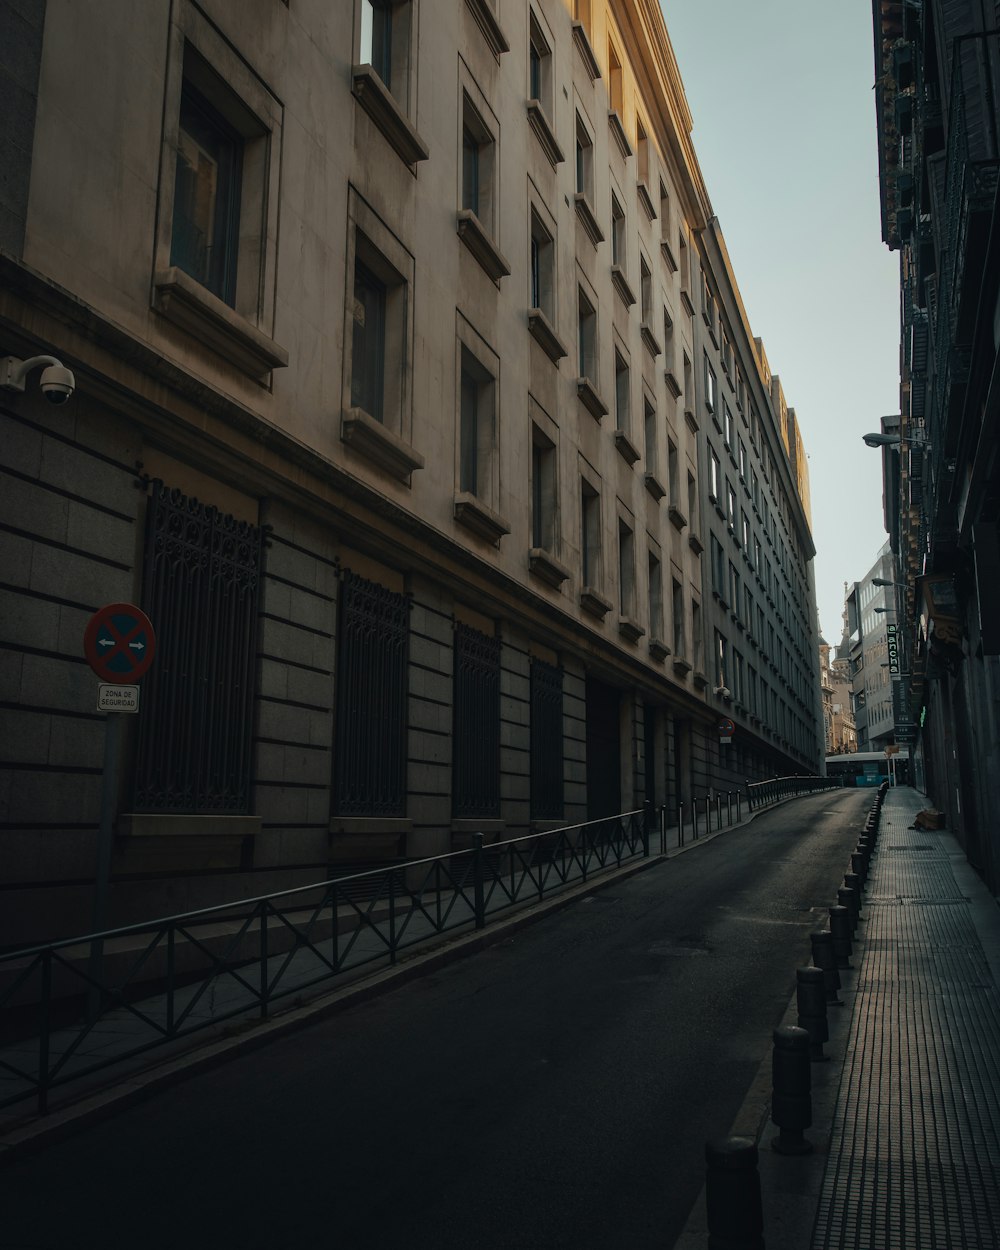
x: 870, y: 623
x: 937, y: 66
x: 838, y: 713
x: 415, y: 403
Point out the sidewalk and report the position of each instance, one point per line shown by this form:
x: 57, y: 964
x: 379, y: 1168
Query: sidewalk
x: 906, y: 1115
x: 914, y: 1160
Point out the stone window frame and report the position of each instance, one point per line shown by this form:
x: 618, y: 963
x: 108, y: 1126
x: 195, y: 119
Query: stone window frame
x: 242, y: 333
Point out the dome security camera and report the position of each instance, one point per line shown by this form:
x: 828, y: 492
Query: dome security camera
x: 57, y: 384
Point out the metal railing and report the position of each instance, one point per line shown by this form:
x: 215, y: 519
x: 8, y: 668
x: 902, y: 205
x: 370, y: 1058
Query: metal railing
x: 696, y: 818
x: 761, y: 794
x: 86, y: 1003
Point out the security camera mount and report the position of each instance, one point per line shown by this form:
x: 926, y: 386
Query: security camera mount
x: 14, y: 372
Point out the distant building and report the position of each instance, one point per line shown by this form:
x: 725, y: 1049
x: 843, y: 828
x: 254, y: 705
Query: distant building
x: 838, y: 717
x: 416, y: 403
x: 869, y: 623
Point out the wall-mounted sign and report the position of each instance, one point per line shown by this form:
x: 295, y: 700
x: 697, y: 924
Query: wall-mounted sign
x: 892, y: 646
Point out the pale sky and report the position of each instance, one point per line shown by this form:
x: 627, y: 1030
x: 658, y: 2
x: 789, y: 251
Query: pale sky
x: 784, y: 127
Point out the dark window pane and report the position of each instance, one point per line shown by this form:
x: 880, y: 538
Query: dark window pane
x: 546, y: 741
x: 368, y: 346
x: 206, y: 216
x: 476, y: 762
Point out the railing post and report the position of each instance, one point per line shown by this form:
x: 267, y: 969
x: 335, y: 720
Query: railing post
x: 43, y: 1035
x: 647, y: 821
x: 171, y: 934
x: 392, y: 917
x: 680, y: 825
x: 477, y: 877
x: 263, y: 960
x: 335, y: 927
x: 729, y: 798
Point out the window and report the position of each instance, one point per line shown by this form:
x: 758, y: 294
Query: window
x: 755, y: 488
x: 718, y: 568
x: 645, y: 290
x: 747, y: 608
x: 730, y: 504
x: 475, y: 786
x: 727, y: 425
x: 735, y: 589
x: 543, y: 491
x: 626, y: 569
x: 476, y: 423
x: 587, y: 320
x: 617, y: 232
x: 757, y: 554
x: 372, y: 664
x: 665, y: 220
x: 745, y: 532
x: 590, y: 534
x: 379, y: 317
x: 219, y: 189
x: 655, y: 598
x: 621, y: 393
x: 692, y: 498
x: 201, y: 575
x: 697, y: 640
x: 711, y: 388
x: 584, y: 161
x: 542, y: 268
x: 641, y: 152
x: 721, y: 660
x: 714, y: 477
x: 673, y: 486
x: 376, y: 37
x: 615, y: 95
x: 743, y: 461
x: 478, y: 149
x: 677, y: 612
x: 649, y: 434
x: 684, y: 257
x: 208, y: 177
x: 539, y: 66
x: 546, y: 741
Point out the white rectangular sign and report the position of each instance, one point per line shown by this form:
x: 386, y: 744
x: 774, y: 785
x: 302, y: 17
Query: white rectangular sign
x: 114, y: 698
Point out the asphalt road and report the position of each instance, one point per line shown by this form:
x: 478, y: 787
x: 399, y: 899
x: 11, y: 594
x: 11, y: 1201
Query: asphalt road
x: 555, y: 1090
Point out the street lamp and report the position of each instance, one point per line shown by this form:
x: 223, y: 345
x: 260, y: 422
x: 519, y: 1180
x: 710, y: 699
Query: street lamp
x: 881, y: 440
x: 883, y: 609
x: 884, y: 581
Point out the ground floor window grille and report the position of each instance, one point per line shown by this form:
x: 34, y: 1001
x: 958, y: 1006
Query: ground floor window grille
x: 201, y: 575
x: 546, y: 741
x: 476, y: 738
x: 371, y: 693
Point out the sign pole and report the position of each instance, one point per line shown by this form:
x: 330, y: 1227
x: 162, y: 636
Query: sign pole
x: 109, y: 802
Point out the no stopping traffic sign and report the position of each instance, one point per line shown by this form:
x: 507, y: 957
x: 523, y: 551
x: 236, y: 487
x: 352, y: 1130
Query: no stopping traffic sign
x: 119, y: 642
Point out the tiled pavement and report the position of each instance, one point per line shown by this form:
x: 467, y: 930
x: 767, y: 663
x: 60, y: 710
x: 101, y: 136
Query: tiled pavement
x: 914, y: 1158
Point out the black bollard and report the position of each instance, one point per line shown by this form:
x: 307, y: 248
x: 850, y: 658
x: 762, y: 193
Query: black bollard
x: 846, y: 898
x: 821, y: 941
x: 810, y: 1001
x: 859, y: 864
x: 732, y: 1195
x: 791, y: 1099
x: 853, y: 882
x: 840, y: 928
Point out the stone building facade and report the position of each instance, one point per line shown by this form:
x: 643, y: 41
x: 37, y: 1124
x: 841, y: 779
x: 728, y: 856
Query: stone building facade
x: 413, y: 397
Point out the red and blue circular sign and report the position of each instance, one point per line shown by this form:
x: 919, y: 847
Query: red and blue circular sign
x: 726, y: 727
x: 119, y: 642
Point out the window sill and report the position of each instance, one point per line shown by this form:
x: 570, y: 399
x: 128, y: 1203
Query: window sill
x: 472, y: 824
x: 546, y: 567
x: 594, y: 603
x: 482, y: 11
x: 618, y: 133
x: 658, y: 649
x: 371, y: 439
x: 681, y: 666
x: 621, y: 285
x: 668, y: 255
x: 586, y: 51
x: 186, y: 303
x: 477, y: 517
x: 700, y: 679
x: 654, y: 486
x: 677, y: 518
x: 198, y: 825
x: 543, y: 132
x: 626, y: 448
x: 473, y: 234
x: 646, y: 200
x: 542, y: 331
x: 686, y: 301
x: 589, y: 222
x: 649, y: 340
x: 673, y: 386
x: 630, y: 629
x: 381, y: 106
x: 692, y: 421
x: 695, y: 543
x: 590, y: 399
